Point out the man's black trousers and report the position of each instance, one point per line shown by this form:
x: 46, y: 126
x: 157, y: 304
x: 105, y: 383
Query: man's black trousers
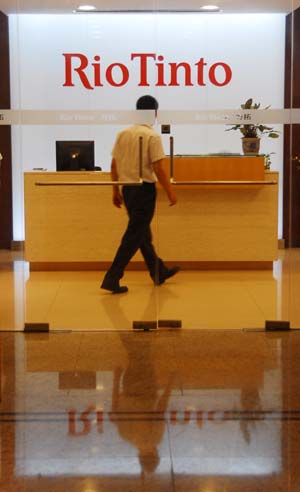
x: 140, y: 204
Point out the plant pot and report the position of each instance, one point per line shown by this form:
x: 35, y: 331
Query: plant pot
x: 251, y: 145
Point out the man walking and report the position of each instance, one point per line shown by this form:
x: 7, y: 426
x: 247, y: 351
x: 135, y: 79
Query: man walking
x: 139, y: 200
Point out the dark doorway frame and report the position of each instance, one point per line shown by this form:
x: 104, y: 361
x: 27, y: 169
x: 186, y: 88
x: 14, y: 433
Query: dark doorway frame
x: 6, y: 218
x: 291, y: 164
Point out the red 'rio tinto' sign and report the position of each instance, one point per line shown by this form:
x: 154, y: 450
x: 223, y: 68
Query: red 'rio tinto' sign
x: 149, y: 67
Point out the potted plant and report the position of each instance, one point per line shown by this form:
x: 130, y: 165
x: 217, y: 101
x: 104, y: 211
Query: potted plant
x: 252, y: 132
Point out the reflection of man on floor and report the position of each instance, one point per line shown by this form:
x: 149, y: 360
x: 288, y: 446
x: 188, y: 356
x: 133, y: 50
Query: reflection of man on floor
x: 135, y: 393
x: 250, y: 402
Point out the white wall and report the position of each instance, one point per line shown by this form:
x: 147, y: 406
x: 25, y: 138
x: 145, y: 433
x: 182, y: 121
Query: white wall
x: 252, y: 45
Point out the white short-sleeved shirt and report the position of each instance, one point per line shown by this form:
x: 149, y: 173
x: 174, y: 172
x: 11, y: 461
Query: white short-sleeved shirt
x: 126, y: 153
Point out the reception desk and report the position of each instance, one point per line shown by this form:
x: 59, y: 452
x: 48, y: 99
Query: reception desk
x: 221, y: 220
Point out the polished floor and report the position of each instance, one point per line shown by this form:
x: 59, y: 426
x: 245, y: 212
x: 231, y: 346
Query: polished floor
x: 199, y: 299
x: 93, y: 406
x: 167, y: 411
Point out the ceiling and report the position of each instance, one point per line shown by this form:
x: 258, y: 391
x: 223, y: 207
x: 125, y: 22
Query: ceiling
x: 227, y: 6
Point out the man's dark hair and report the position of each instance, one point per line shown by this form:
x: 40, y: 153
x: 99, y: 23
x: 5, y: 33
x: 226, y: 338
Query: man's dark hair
x: 147, y: 102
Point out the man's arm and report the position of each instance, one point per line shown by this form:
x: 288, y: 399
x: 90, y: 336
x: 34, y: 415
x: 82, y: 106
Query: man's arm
x: 117, y: 197
x: 163, y: 180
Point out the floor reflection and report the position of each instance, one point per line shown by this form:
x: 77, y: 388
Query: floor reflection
x: 158, y: 411
x: 200, y: 299
x: 136, y: 394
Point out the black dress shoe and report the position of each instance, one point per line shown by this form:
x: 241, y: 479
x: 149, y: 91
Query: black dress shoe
x: 168, y: 274
x: 114, y: 288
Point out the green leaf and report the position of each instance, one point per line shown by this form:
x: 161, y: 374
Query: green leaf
x: 262, y: 128
x: 248, y: 104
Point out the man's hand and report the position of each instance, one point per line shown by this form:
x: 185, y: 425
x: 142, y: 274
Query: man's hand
x: 172, y: 198
x: 117, y: 198
x: 164, y: 181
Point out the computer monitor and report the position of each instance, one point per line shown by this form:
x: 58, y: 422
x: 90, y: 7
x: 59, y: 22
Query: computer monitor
x: 75, y: 155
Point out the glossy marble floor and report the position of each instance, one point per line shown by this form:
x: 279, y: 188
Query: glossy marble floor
x: 200, y: 299
x: 168, y: 411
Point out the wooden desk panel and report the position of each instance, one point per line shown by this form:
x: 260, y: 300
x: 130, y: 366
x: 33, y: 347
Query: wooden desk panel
x: 218, y: 168
x: 77, y: 227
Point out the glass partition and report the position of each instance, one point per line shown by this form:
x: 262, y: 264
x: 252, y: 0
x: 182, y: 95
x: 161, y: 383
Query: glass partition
x: 236, y: 207
x: 227, y: 230
x: 234, y: 233
x: 13, y: 270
